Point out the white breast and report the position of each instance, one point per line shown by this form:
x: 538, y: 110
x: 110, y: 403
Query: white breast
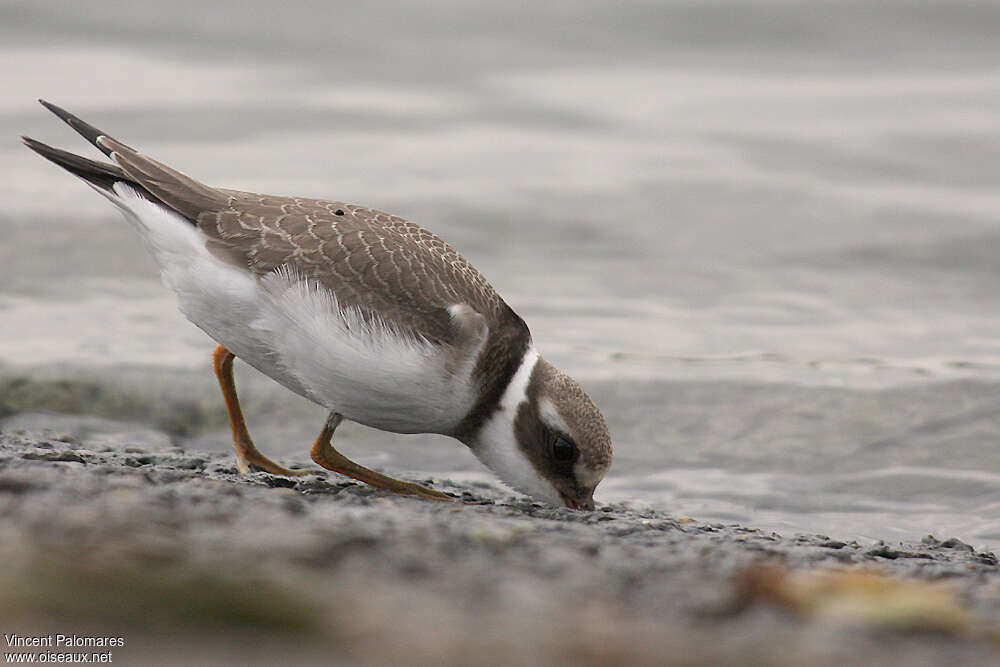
x: 295, y: 332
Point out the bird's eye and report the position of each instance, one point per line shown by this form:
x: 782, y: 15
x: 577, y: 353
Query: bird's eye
x: 563, y: 449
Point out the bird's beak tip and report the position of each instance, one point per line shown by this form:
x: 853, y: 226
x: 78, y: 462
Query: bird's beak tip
x: 579, y: 503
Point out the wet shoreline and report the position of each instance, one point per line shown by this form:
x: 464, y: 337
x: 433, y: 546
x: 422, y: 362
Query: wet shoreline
x: 174, y: 549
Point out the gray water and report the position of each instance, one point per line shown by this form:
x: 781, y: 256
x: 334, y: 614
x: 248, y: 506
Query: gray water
x: 764, y: 235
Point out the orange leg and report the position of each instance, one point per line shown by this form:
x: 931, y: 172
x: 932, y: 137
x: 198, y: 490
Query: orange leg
x: 247, y: 454
x: 324, y: 454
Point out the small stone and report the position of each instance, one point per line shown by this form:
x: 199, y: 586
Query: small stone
x: 987, y: 558
x: 884, y: 551
x: 274, y: 481
x: 833, y: 544
x: 955, y: 543
x: 69, y: 456
x: 191, y: 464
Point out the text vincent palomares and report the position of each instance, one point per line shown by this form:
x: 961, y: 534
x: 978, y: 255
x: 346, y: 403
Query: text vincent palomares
x: 65, y: 641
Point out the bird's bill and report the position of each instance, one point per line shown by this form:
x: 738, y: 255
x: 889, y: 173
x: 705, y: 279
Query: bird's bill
x: 583, y: 502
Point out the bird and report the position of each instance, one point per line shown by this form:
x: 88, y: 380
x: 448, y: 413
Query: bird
x: 365, y: 313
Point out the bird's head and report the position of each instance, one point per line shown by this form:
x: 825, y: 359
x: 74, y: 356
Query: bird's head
x: 547, y: 438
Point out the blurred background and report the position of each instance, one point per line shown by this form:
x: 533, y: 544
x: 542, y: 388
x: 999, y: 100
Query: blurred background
x: 764, y: 235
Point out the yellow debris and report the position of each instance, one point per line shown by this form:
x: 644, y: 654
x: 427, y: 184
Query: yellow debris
x: 858, y: 596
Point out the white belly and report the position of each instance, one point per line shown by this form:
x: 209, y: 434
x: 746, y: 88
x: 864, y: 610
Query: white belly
x: 296, y: 333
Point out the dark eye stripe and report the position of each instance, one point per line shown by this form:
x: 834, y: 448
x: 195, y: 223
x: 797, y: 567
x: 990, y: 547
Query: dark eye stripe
x: 563, y: 449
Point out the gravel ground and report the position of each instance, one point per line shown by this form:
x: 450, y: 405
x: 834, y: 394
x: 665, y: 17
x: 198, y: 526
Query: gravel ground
x: 189, y: 561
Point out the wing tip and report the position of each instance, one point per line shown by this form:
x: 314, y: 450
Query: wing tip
x: 34, y: 145
x: 42, y: 149
x: 85, y: 129
x: 66, y: 116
